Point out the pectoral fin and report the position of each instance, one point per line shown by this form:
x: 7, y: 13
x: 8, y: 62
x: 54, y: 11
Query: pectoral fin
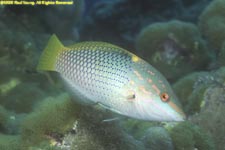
x: 108, y: 107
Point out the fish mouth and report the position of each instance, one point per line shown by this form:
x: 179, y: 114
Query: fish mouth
x: 180, y: 114
x: 180, y: 117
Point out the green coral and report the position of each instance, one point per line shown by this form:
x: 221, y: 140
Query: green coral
x: 10, y: 142
x: 195, y: 100
x: 137, y: 128
x: 157, y: 138
x: 212, y: 23
x: 22, y: 98
x: 53, y: 115
x: 189, y: 91
x: 104, y: 135
x: 211, y: 116
x: 175, y: 48
x: 204, y: 97
x: 186, y: 136
x: 4, y: 116
x: 220, y: 74
x: 221, y: 56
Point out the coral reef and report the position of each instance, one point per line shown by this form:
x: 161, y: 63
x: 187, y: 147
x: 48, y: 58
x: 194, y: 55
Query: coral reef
x: 212, y: 23
x: 53, y: 115
x: 210, y: 117
x: 191, y: 88
x: 202, y: 95
x: 221, y: 55
x: 61, y: 123
x: 137, y: 128
x: 36, y: 114
x: 187, y: 136
x: 175, y: 48
x: 3, y: 118
x: 186, y: 86
x: 9, y: 142
x: 157, y: 138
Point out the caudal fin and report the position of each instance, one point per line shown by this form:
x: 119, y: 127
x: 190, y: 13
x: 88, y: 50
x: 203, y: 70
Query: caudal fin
x: 49, y: 55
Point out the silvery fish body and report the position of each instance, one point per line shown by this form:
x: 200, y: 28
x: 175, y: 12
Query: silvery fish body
x: 116, y: 79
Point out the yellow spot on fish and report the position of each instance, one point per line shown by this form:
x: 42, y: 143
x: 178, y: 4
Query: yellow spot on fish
x: 135, y: 58
x: 131, y: 82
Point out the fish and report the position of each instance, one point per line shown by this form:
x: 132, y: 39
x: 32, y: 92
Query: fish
x: 114, y: 78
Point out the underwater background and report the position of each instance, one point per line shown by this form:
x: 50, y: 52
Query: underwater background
x: 183, y: 39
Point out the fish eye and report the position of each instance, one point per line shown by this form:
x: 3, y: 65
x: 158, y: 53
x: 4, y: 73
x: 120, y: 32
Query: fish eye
x: 164, y: 97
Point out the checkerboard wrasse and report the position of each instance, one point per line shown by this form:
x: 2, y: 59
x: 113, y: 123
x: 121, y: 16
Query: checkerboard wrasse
x: 114, y: 78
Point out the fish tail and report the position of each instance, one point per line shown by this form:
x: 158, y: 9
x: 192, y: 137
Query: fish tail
x: 49, y: 55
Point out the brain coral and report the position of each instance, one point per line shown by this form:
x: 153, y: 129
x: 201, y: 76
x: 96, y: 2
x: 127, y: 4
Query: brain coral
x: 212, y: 23
x: 174, y: 47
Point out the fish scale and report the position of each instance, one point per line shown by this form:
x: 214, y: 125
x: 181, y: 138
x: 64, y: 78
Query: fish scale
x: 101, y: 75
x: 114, y: 78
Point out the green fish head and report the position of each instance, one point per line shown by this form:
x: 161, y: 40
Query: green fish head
x: 155, y: 99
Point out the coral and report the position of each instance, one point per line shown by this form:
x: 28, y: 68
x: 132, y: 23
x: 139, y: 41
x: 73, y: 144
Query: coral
x: 221, y: 55
x: 187, y: 136
x: 137, y: 128
x: 220, y: 76
x: 61, y: 123
x: 157, y: 138
x: 4, y: 88
x: 23, y: 97
x: 18, y: 49
x: 110, y: 137
x: 175, y: 48
x: 191, y: 88
x: 9, y: 142
x: 211, y: 116
x: 189, y: 92
x: 4, y: 116
x: 105, y: 135
x: 9, y: 121
x: 21, y: 90
x: 203, y: 95
x: 52, y: 116
x: 212, y: 23
x: 89, y: 132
